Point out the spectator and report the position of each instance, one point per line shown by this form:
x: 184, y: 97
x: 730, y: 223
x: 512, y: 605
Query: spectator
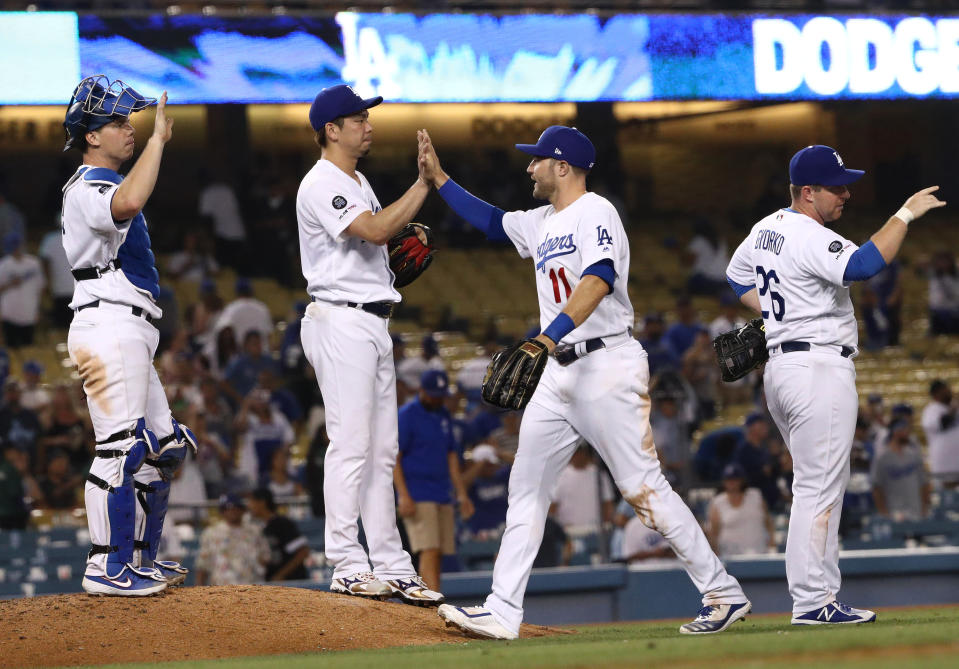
x: 187, y: 490
x: 281, y: 398
x: 19, y: 427
x: 21, y: 286
x: 223, y: 352
x: 887, y: 287
x: 244, y: 371
x: 501, y: 429
x: 702, y: 373
x: 12, y: 220
x: 900, y: 486
x: 671, y: 436
x: 715, y: 451
x: 875, y: 415
x: 583, y: 498
x: 216, y: 411
x: 65, y: 431
x: 660, y: 354
x: 939, y: 421
x: 231, y: 551
x: 201, y: 318
x: 281, y: 479
x: 214, y: 456
x: 193, y: 262
x: 471, y: 374
x: 943, y: 294
x: 729, y: 318
x: 642, y: 544
x: 246, y: 313
x: 753, y: 455
x: 708, y: 256
x: 288, y: 547
x: 58, y: 275
x: 739, y: 521
x: 901, y: 410
x: 878, y: 327
x: 409, y: 370
x: 33, y: 396
x: 13, y: 511
x: 60, y: 486
x: 556, y: 548
x: 262, y: 430
x: 427, y: 469
x: 680, y: 335
x: 857, y: 499
x: 486, y: 479
x: 218, y: 203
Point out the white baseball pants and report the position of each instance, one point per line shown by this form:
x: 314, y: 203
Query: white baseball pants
x: 604, y: 398
x: 812, y: 397
x: 352, y: 354
x: 113, y: 351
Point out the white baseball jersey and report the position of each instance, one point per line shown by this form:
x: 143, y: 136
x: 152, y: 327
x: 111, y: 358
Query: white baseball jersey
x: 91, y: 238
x: 20, y: 304
x: 340, y: 268
x: 797, y: 266
x: 564, y: 244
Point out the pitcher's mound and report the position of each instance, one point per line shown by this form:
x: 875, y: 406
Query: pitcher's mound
x: 208, y: 623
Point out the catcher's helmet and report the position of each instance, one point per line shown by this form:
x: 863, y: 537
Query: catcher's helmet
x: 95, y: 102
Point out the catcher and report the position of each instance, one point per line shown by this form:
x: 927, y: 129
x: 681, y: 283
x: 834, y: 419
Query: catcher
x: 584, y: 376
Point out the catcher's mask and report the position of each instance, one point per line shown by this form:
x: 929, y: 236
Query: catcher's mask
x: 95, y: 102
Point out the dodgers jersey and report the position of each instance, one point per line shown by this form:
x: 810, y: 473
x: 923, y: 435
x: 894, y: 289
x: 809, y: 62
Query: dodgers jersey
x: 797, y: 266
x: 338, y: 267
x: 91, y: 238
x: 564, y: 244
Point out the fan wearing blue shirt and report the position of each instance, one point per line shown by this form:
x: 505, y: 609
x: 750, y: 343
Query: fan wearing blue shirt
x: 427, y: 470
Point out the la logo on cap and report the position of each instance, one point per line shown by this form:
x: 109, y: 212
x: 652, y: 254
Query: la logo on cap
x: 838, y: 159
x: 557, y: 151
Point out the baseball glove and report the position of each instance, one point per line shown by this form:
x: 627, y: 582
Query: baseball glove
x: 409, y: 257
x: 740, y: 351
x: 513, y: 373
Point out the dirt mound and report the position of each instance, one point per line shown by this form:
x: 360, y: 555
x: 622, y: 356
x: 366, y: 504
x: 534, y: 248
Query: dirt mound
x: 209, y: 623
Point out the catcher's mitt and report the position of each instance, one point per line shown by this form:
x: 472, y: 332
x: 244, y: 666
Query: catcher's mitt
x: 513, y: 373
x: 740, y: 351
x: 409, y: 257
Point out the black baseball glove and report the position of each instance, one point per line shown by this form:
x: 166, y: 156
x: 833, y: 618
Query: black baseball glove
x: 740, y: 351
x: 409, y: 257
x: 513, y: 373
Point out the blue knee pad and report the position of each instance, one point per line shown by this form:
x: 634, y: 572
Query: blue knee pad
x: 121, y: 510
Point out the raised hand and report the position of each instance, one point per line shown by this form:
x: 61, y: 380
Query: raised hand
x: 923, y: 201
x: 162, y: 124
x: 428, y: 162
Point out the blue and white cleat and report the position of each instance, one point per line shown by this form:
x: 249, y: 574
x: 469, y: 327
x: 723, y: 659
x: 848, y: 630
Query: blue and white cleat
x: 174, y: 572
x: 834, y: 613
x: 127, y: 583
x: 716, y: 617
x: 413, y: 590
x: 475, y: 621
x: 363, y: 584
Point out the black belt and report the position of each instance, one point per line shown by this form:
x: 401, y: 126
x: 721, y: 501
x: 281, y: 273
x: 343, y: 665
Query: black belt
x: 567, y: 355
x: 794, y: 346
x: 136, y: 311
x: 87, y: 273
x: 381, y: 309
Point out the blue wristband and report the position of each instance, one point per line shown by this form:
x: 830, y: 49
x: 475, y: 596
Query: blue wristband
x: 561, y: 326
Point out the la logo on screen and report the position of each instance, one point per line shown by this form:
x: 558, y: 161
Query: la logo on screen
x: 857, y: 56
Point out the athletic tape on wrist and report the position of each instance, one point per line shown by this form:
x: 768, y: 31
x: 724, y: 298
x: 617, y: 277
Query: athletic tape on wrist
x: 905, y: 215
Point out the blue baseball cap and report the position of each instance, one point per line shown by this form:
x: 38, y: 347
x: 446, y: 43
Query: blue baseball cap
x: 820, y: 165
x: 755, y: 417
x: 734, y: 471
x: 563, y: 143
x: 435, y: 383
x: 336, y: 101
x: 231, y: 500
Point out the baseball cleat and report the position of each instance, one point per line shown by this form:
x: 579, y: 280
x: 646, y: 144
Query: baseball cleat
x: 127, y: 583
x: 362, y: 584
x: 834, y: 613
x: 173, y: 572
x: 716, y: 617
x: 413, y: 590
x: 474, y: 621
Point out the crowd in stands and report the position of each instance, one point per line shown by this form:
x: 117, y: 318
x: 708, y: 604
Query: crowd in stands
x: 245, y: 389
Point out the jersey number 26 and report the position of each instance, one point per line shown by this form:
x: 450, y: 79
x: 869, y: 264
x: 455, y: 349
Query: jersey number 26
x: 766, y: 280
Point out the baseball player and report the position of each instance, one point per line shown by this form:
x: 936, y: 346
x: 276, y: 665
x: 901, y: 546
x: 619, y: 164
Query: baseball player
x: 112, y: 340
x: 796, y: 272
x: 595, y: 384
x: 343, y: 232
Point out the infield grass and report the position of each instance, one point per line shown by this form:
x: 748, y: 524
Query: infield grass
x: 921, y: 637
